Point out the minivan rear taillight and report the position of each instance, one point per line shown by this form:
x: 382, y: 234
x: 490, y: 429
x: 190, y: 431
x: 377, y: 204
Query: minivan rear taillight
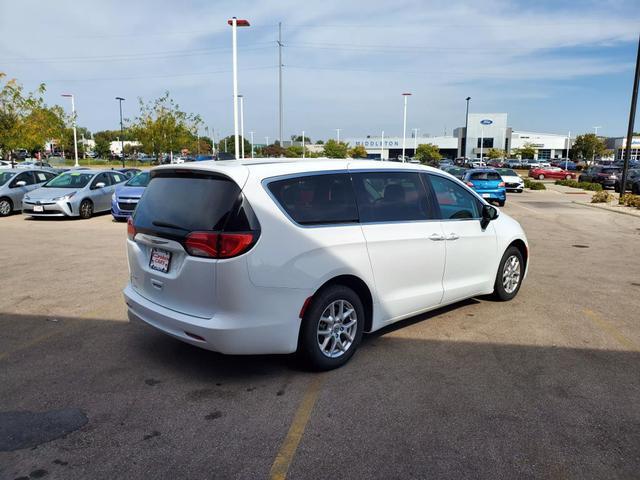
x: 131, y: 230
x: 218, y: 245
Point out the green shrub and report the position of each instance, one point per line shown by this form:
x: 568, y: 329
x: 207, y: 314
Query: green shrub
x: 602, y: 197
x: 594, y: 187
x: 631, y: 200
x: 537, y: 186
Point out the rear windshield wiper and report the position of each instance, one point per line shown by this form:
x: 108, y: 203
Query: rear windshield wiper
x: 169, y: 225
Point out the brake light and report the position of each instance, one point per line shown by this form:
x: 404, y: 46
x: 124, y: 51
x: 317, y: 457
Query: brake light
x: 217, y: 245
x: 501, y: 184
x: 131, y: 230
x: 469, y: 184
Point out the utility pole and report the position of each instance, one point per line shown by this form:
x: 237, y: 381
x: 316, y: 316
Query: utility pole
x: 382, y: 146
x: 466, y: 131
x: 280, y: 81
x: 338, y: 133
x: 302, y: 143
x: 632, y: 119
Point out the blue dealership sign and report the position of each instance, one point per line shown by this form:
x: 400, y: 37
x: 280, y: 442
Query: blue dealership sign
x: 486, y: 122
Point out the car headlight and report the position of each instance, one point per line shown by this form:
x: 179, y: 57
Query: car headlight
x: 64, y: 197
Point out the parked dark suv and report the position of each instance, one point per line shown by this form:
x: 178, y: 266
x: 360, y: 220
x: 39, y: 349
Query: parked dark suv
x: 633, y: 182
x: 605, y: 176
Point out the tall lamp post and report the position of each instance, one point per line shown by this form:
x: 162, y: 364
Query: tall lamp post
x: 338, y: 133
x: 382, y: 146
x: 75, y: 135
x: 251, y: 133
x: 466, y: 128
x: 120, y: 100
x: 303, y: 144
x: 404, y: 125
x: 241, y: 97
x: 235, y: 23
x: 415, y: 141
x: 632, y: 119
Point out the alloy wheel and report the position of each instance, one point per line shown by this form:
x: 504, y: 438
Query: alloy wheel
x: 86, y: 210
x: 337, y: 328
x: 511, y: 274
x: 5, y: 207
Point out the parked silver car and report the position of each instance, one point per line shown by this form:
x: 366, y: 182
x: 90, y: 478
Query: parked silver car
x: 15, y: 183
x: 77, y: 193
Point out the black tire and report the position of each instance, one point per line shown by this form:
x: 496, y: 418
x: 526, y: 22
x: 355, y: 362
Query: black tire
x: 519, y: 190
x: 6, y: 207
x: 309, y: 348
x: 501, y: 203
x: 500, y: 292
x: 86, y: 209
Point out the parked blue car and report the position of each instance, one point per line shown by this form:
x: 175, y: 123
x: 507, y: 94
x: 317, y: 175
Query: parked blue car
x: 488, y: 183
x: 127, y: 196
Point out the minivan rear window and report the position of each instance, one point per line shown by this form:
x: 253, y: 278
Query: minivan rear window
x: 317, y: 199
x: 177, y: 203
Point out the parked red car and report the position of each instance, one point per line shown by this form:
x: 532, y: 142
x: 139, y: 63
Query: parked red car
x: 551, y: 172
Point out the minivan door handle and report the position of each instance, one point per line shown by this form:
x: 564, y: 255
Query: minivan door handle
x: 436, y: 237
x: 452, y: 236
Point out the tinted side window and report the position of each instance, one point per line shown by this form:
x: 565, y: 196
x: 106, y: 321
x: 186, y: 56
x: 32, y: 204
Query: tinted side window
x: 317, y: 199
x: 454, y: 201
x: 391, y: 197
x: 26, y: 177
x: 104, y: 178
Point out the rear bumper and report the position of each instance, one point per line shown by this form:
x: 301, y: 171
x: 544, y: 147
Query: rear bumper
x: 499, y: 194
x: 225, y: 333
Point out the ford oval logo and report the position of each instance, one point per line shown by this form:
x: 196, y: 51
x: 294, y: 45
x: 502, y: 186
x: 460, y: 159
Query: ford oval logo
x: 486, y: 122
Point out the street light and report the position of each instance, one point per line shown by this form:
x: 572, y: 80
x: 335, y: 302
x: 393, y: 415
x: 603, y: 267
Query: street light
x: 415, y: 141
x: 120, y: 100
x: 404, y: 125
x: 235, y: 22
x: 251, y: 133
x: 382, y: 146
x: 338, y: 133
x: 302, y: 143
x: 593, y: 156
x: 242, y: 123
x: 466, y: 132
x: 75, y: 135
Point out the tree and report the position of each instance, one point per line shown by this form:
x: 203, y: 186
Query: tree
x: 298, y: 138
x: 428, y: 154
x: 102, y: 148
x: 588, y: 147
x: 294, y: 151
x: 274, y: 150
x: 495, y: 153
x: 231, y: 145
x: 162, y: 127
x: 527, y: 151
x: 320, y: 142
x: 25, y: 120
x: 358, y: 152
x: 335, y: 149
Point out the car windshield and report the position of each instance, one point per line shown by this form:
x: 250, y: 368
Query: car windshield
x: 140, y: 180
x: 70, y: 180
x: 485, y: 176
x: 6, y: 176
x: 507, y: 172
x: 610, y: 169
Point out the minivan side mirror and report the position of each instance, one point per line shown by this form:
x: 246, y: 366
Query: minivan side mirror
x: 20, y: 183
x: 488, y: 213
x: 100, y: 185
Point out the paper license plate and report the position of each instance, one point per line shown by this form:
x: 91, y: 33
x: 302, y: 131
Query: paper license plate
x: 38, y: 208
x: 160, y: 260
x: 486, y: 195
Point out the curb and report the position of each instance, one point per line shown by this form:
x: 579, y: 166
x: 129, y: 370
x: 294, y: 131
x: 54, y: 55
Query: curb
x: 595, y: 205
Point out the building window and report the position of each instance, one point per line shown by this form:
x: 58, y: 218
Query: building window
x: 544, y: 154
x: 486, y: 142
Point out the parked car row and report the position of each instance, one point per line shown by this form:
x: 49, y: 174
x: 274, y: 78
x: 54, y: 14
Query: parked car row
x: 490, y: 183
x: 79, y: 192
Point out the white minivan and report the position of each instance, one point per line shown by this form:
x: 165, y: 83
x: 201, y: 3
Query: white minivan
x: 281, y: 255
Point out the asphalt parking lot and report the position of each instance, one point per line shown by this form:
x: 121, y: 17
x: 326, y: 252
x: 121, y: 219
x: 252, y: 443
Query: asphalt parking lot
x: 546, y: 386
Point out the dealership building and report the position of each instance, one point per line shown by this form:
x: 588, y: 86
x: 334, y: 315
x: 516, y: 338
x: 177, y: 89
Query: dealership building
x: 486, y: 131
x: 619, y: 145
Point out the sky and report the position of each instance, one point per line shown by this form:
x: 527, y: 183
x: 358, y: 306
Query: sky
x: 553, y: 66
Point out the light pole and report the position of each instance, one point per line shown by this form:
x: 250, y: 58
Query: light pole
x: 415, y: 141
x: 404, y: 125
x: 593, y: 155
x: 242, y: 124
x: 251, y: 133
x: 235, y: 22
x: 120, y: 100
x: 75, y: 135
x: 302, y: 143
x: 566, y: 162
x: 596, y: 129
x: 481, y: 142
x: 632, y: 119
x: 382, y: 146
x: 466, y: 128
x: 338, y: 133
